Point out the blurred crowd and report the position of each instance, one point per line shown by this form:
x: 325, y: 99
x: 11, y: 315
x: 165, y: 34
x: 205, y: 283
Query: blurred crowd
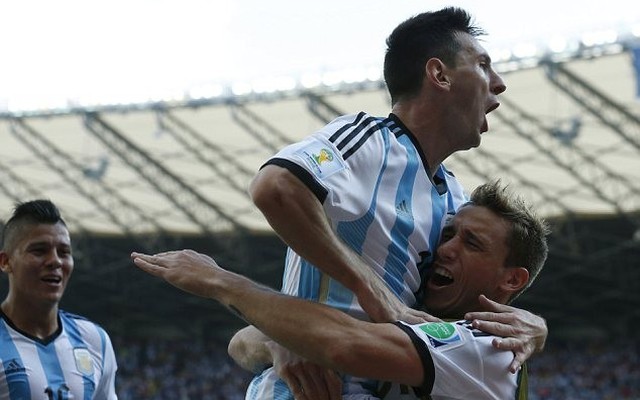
x: 583, y: 370
x: 177, y: 370
x: 182, y: 370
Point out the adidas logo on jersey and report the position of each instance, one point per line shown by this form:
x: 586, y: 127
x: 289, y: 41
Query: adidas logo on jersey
x: 402, y: 209
x: 14, y: 367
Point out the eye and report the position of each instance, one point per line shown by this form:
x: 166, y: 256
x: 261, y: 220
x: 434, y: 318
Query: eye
x: 37, y: 251
x: 474, y: 244
x: 446, y: 236
x: 485, y: 63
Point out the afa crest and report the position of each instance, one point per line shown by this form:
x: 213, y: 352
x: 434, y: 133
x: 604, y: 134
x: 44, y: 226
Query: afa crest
x: 84, y: 364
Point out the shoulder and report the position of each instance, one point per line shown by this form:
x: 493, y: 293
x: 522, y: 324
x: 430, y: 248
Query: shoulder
x: 76, y: 319
x: 85, y: 329
x: 350, y: 126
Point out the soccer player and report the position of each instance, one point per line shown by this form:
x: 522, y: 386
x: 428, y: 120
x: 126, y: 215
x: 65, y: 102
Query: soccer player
x: 46, y: 353
x: 494, y: 246
x: 361, y: 202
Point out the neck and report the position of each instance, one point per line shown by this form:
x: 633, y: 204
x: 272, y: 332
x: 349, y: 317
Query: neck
x: 424, y: 124
x: 40, y: 322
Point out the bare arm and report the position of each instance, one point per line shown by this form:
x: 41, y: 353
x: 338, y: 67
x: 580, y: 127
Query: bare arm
x: 297, y: 216
x: 319, y: 333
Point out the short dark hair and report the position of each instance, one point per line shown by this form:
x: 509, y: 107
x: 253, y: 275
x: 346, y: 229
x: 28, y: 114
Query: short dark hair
x: 416, y: 40
x: 527, y: 240
x: 29, y: 213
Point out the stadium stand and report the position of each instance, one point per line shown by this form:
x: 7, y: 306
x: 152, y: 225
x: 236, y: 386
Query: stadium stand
x: 177, y: 370
x: 586, y: 370
x: 184, y: 370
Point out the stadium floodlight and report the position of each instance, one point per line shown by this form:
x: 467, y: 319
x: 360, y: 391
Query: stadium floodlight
x: 501, y: 55
x: 28, y: 102
x: 311, y: 80
x: 354, y: 75
x: 597, y: 38
x: 331, y: 78
x: 285, y: 83
x: 241, y: 88
x: 525, y: 50
x: 205, y: 91
x: 273, y: 84
x: 558, y: 44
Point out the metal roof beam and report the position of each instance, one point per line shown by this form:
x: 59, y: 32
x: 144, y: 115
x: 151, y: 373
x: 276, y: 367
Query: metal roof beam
x: 219, y: 161
x: 18, y: 189
x: 320, y: 108
x: 494, y: 166
x: 265, y: 133
x: 198, y: 209
x: 609, y: 186
x: 605, y: 109
x: 124, y: 214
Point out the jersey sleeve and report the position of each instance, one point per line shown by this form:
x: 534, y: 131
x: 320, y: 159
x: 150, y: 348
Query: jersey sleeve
x: 460, y: 362
x: 339, y: 164
x: 106, y: 389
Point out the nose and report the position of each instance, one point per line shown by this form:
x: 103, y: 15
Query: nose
x: 447, y: 250
x: 54, y: 260
x: 497, y: 84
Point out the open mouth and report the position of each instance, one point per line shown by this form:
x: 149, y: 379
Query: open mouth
x: 441, y: 277
x: 52, y: 279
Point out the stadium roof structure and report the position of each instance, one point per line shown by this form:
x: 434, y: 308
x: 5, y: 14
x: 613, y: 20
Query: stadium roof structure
x: 566, y: 136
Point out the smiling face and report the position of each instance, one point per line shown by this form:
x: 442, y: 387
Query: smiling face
x: 470, y: 261
x: 39, y: 264
x: 474, y: 90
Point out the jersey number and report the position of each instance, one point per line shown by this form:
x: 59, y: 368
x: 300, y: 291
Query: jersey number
x: 61, y: 394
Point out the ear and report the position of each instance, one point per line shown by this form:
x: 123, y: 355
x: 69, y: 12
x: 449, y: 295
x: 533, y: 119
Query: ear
x: 4, y: 262
x: 437, y: 74
x: 515, y: 279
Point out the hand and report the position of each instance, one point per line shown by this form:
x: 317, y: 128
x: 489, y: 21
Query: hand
x: 307, y: 380
x: 523, y: 332
x: 383, y: 306
x: 186, y: 269
x: 411, y: 316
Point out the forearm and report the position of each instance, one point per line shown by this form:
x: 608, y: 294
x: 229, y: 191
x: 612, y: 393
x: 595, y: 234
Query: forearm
x: 299, y: 219
x: 323, y: 335
x: 314, y: 331
x: 310, y: 330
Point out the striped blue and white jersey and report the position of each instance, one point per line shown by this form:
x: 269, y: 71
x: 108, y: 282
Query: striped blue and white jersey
x: 460, y: 362
x: 372, y: 179
x: 76, y: 362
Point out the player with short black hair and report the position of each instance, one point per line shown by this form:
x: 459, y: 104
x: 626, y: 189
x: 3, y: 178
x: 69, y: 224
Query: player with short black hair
x: 47, y: 353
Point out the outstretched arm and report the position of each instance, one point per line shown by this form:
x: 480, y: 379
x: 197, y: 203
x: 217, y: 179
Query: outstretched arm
x: 317, y: 332
x: 523, y: 333
x: 298, y: 218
